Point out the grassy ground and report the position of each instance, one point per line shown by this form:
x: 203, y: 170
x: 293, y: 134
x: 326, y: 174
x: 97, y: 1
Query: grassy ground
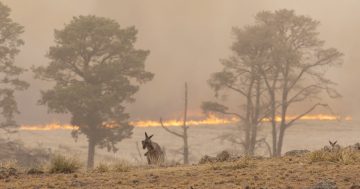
x: 285, y: 172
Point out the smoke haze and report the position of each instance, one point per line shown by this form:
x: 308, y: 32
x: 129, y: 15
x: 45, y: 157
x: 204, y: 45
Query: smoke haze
x: 186, y: 40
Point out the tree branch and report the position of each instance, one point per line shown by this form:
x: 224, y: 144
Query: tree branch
x: 305, y: 113
x: 236, y: 89
x: 170, y: 131
x: 293, y: 99
x: 266, y: 144
x: 306, y: 68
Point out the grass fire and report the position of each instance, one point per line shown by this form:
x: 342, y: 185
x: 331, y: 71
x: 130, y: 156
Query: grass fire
x: 212, y: 120
x: 179, y: 94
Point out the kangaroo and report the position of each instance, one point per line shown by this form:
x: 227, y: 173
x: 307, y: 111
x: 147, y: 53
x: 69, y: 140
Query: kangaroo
x: 154, y: 155
x: 333, y: 147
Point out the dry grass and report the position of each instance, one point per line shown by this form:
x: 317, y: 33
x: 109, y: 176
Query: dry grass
x: 63, y: 164
x: 345, y: 156
x: 121, y: 166
x: 116, y: 166
x: 284, y: 172
x: 245, y: 162
x: 102, y: 168
x: 10, y: 164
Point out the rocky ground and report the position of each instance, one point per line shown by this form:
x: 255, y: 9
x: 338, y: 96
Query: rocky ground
x: 285, y: 172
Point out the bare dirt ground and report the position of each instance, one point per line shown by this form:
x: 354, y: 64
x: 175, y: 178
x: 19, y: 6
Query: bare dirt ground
x: 284, y: 172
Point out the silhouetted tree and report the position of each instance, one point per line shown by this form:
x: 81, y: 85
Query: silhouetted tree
x: 10, y: 42
x: 294, y: 68
x: 240, y: 75
x: 278, y: 63
x: 96, y: 69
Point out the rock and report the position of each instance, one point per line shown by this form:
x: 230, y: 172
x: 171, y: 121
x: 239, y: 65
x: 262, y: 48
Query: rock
x: 35, y: 171
x: 207, y: 159
x: 135, y: 181
x: 223, y: 156
x: 354, y: 186
x: 220, y: 157
x: 356, y: 146
x: 296, y: 152
x: 7, y: 172
x: 77, y: 183
x: 324, y: 185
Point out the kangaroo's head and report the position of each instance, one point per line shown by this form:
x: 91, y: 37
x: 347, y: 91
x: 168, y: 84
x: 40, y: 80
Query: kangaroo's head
x: 147, y: 142
x: 332, y: 144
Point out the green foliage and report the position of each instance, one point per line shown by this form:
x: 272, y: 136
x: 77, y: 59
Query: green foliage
x: 62, y: 164
x: 96, y: 69
x: 9, y: 73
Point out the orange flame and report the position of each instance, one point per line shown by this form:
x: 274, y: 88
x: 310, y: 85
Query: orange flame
x: 48, y: 127
x: 211, y: 120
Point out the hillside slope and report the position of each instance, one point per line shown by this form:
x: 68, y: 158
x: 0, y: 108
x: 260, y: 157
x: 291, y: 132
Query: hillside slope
x: 285, y: 172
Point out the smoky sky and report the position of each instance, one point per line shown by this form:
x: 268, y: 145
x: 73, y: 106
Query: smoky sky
x: 186, y: 40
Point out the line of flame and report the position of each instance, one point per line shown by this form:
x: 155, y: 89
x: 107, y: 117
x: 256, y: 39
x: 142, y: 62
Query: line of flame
x: 48, y: 127
x: 211, y: 120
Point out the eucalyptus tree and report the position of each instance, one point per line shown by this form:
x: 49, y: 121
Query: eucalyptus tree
x: 10, y: 42
x: 96, y: 70
x: 295, y: 72
x: 278, y: 65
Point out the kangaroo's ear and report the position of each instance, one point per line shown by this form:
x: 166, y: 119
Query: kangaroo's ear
x: 151, y: 136
x: 146, y: 136
x: 330, y: 142
x: 335, y: 142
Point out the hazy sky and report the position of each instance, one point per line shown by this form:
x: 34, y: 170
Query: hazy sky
x: 186, y: 39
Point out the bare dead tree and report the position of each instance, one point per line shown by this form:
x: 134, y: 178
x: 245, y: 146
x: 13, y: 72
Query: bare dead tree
x: 184, y: 134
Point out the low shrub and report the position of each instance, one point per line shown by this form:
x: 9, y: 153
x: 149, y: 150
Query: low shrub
x: 121, y: 166
x: 102, y: 168
x: 241, y: 163
x: 62, y: 164
x: 344, y: 155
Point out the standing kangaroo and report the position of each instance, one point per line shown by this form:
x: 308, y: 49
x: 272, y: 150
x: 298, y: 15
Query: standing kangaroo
x: 154, y: 155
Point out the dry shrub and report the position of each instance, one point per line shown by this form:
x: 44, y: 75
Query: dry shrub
x: 63, y: 164
x: 345, y: 155
x: 102, y: 168
x: 121, y: 166
x: 242, y: 163
x: 9, y: 164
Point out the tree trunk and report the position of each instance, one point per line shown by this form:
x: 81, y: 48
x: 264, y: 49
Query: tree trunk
x: 255, y: 119
x: 91, y: 154
x: 186, y: 147
x: 274, y: 138
x: 280, y: 141
x: 273, y: 125
x: 282, y: 130
x: 284, y: 100
x: 248, y: 121
x: 185, y: 136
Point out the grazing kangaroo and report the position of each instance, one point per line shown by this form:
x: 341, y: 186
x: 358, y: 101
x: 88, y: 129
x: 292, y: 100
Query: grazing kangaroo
x: 154, y: 155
